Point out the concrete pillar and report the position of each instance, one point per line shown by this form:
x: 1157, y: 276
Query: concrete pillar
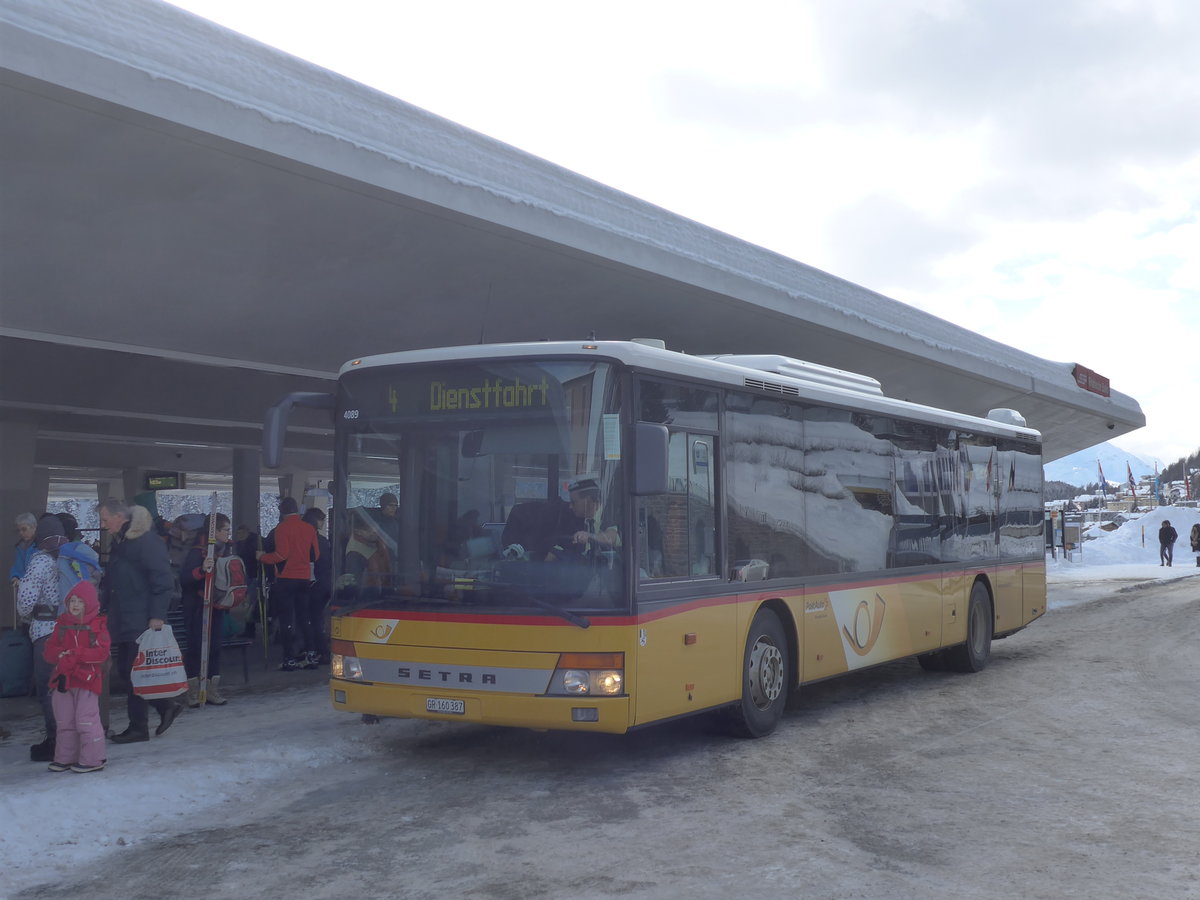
x: 247, y: 468
x: 40, y: 486
x: 131, y: 484
x: 19, y: 492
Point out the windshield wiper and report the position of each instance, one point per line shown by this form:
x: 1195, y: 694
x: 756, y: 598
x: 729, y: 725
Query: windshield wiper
x: 573, y: 617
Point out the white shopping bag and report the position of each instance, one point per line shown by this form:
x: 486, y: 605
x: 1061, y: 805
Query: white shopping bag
x: 158, y: 669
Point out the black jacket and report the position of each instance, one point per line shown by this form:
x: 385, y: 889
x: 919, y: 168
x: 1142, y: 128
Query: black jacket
x: 323, y: 567
x: 1167, y: 535
x: 138, y: 581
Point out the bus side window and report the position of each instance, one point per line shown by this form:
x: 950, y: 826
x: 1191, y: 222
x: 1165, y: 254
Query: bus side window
x: 677, y: 530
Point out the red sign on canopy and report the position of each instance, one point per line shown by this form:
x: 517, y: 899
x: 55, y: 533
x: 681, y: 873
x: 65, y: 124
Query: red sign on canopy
x: 1090, y: 381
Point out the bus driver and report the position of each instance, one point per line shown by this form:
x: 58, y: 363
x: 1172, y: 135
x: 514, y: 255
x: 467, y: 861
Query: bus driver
x: 590, y: 536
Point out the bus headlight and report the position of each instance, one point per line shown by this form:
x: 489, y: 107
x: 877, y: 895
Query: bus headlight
x: 589, y: 674
x: 575, y: 681
x: 342, y: 661
x: 610, y: 682
x: 347, y: 667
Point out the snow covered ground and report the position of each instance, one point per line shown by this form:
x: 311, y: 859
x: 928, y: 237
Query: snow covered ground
x: 52, y: 824
x: 56, y: 822
x: 1123, y: 557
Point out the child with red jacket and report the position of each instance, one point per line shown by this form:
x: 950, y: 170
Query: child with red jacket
x: 77, y: 648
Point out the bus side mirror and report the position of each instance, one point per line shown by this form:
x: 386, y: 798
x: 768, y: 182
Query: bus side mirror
x: 650, y: 450
x: 276, y: 422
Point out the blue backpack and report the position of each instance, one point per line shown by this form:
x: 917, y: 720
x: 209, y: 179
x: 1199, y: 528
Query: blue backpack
x: 76, y: 562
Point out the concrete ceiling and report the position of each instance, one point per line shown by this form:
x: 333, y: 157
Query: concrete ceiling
x: 194, y: 225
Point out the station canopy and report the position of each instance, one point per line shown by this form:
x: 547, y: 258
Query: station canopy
x: 195, y: 224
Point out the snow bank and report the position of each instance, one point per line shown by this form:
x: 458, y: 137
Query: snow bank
x: 56, y: 822
x: 1136, y: 542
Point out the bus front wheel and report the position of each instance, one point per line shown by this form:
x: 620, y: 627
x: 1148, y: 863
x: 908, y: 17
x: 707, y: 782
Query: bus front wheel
x: 973, y: 655
x: 764, y: 678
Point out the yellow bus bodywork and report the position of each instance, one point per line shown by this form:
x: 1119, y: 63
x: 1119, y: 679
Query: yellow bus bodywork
x: 678, y: 661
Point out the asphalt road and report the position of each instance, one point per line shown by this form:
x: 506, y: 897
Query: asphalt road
x: 1068, y: 768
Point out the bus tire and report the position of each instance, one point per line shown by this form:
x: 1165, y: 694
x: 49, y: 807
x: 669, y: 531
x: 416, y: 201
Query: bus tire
x: 765, y: 678
x: 972, y: 655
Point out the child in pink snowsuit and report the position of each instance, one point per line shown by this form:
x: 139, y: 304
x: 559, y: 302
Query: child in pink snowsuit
x: 78, y: 647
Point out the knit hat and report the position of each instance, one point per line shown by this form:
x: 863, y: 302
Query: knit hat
x: 49, y: 535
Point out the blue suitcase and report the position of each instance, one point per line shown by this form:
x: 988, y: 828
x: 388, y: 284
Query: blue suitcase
x: 16, y: 665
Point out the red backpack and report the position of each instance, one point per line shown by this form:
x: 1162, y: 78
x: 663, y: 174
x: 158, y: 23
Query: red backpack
x: 229, y: 582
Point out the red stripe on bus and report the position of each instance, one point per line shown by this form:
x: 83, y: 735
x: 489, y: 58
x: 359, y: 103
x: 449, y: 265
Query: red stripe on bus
x: 673, y: 609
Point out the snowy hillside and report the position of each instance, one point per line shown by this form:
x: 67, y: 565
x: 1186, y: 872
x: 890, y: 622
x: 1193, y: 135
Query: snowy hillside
x: 1080, y: 468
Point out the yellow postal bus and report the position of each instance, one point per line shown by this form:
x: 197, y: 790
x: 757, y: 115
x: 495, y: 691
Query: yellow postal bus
x: 604, y: 535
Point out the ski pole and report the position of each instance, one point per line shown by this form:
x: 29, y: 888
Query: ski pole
x: 262, y: 608
x: 206, y: 617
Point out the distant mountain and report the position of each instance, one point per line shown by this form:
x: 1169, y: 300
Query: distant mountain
x: 1080, y: 468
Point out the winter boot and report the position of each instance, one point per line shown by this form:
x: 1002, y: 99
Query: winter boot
x: 43, y: 752
x: 167, y: 715
x: 213, y: 695
x: 131, y: 735
x: 193, y: 693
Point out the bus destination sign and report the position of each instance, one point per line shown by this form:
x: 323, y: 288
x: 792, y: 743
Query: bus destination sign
x: 490, y: 394
x: 369, y: 396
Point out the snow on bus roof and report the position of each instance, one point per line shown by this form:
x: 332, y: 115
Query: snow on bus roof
x: 793, y: 377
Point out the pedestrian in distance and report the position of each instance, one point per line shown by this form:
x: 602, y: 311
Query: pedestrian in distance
x: 321, y: 588
x: 25, y: 547
x: 1167, y: 536
x: 245, y: 543
x: 39, y: 602
x: 138, y: 585
x: 387, y: 517
x: 77, y: 649
x: 1194, y: 537
x: 84, y: 561
x: 366, y: 566
x: 192, y: 576
x: 296, y: 548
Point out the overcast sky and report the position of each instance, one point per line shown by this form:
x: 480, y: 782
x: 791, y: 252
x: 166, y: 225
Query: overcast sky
x: 1026, y: 169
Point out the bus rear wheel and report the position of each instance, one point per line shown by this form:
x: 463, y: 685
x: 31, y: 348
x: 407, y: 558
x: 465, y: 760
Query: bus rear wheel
x: 973, y: 655
x: 764, y: 678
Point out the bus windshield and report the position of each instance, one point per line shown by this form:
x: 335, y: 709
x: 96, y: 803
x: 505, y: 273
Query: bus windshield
x: 480, y: 485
